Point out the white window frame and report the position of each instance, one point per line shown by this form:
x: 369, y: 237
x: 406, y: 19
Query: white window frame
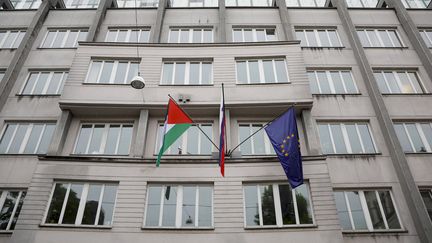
x: 254, y: 33
x: 345, y: 136
x: 179, y: 209
x: 82, y: 4
x: 113, y: 72
x: 317, y: 37
x: 277, y: 205
x: 20, y: 4
x: 190, y: 35
x: 300, y: 5
x: 3, y: 195
x: 331, y: 83
x: 68, y: 31
x: 184, y: 141
x: 423, y: 138
x: 428, y: 35
x: 270, y: 3
x: 261, y: 70
x: 8, y: 32
x: 104, y: 138
x: 417, y: 2
x: 204, y: 4
x: 186, y: 77
x: 269, y: 150
x: 82, y: 203
x: 26, y: 136
x: 153, y: 4
x: 398, y: 81
x: 362, y: 3
x: 45, y: 89
x: 128, y: 35
x: 365, y: 209
x: 378, y: 36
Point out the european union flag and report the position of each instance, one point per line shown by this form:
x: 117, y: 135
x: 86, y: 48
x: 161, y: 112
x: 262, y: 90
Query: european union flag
x: 283, y: 135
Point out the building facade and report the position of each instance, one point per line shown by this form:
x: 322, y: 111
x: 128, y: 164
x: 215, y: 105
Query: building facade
x: 78, y: 144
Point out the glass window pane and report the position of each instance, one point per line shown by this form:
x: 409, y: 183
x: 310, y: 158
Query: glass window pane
x: 107, y: 207
x: 267, y: 205
x: 313, y: 83
x: 153, y: 207
x: 33, y: 139
x: 260, y: 35
x: 169, y: 209
x: 302, y: 37
x: 106, y: 72
x: 248, y: 37
x: 59, y: 39
x: 83, y: 139
x: 338, y: 139
x: 72, y: 204
x: 56, y: 203
x: 134, y: 36
x: 353, y: 138
x: 206, y: 73
x: 120, y: 74
x: 82, y: 36
x: 167, y: 73
x: 111, y: 36
x: 122, y: 34
x: 205, y: 207
x: 310, y: 35
x: 385, y: 38
x: 415, y: 81
x: 10, y: 39
x: 208, y: 36
x: 7, y: 136
x: 144, y: 37
x: 30, y: 83
x: 205, y: 144
x: 91, y: 206
x: 271, y: 34
x: 48, y: 40
x: 334, y: 39
x: 41, y: 82
x: 374, y: 210
x: 179, y: 73
x: 303, y: 204
x: 237, y: 35
x: 70, y: 41
x: 251, y: 206
x: 342, y: 211
x: 427, y: 130
x: 356, y: 210
x: 403, y: 138
x: 192, y: 141
x: 18, y: 210
x: 254, y: 74
x: 194, y: 73
x: 406, y: 85
x: 133, y: 71
x: 287, y: 205
x: 188, y: 209
x: 258, y: 140
x: 196, y: 38
x: 268, y: 71
x: 349, y: 82
x: 363, y: 38
x: 337, y: 82
x: 373, y: 38
x: 323, y: 38
x: 173, y: 36
x: 94, y: 72
x: 112, y: 137
x: 395, y: 39
x: 96, y: 139
x: 18, y: 139
x: 19, y: 39
x: 379, y: 77
x: 55, y: 82
x: 427, y: 199
x: 7, y: 209
x: 323, y: 82
x: 366, y: 138
x: 242, y: 72
x: 415, y: 138
x: 389, y: 210
x: 244, y: 132
x: 325, y: 139
x: 184, y: 36
x: 125, y: 140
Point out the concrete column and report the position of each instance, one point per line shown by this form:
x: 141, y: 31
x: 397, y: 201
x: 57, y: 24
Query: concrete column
x: 60, y: 133
x: 410, y: 190
x: 222, y: 21
x: 23, y: 50
x: 98, y: 19
x: 141, y: 134
x: 413, y: 34
x: 311, y: 134
x: 155, y: 35
x: 283, y: 13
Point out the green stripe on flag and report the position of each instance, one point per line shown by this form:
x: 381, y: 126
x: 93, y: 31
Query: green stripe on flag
x: 170, y: 137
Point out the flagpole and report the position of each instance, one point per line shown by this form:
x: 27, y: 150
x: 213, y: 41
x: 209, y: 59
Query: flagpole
x: 197, y: 125
x: 264, y: 126
x: 223, y: 100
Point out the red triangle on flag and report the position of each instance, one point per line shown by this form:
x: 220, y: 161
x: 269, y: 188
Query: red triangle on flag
x: 176, y: 115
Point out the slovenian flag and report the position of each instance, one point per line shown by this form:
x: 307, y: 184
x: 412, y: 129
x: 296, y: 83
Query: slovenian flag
x: 176, y: 123
x: 222, y: 134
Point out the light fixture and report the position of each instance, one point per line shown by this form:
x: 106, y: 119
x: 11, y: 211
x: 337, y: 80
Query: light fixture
x: 138, y: 82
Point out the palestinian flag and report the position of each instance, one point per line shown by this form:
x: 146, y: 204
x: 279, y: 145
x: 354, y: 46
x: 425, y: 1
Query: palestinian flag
x: 176, y: 123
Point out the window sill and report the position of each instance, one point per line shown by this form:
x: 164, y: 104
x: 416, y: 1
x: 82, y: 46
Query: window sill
x: 251, y: 7
x: 38, y: 95
x: 353, y: 155
x: 306, y: 226
x: 56, y: 48
x: 6, y: 232
x: 11, y: 49
x: 407, y: 94
x: 130, y: 8
x: 180, y: 229
x: 212, y: 7
x: 418, y: 153
x: 323, y: 47
x: 26, y: 155
x: 385, y: 47
x: 375, y: 232
x: 101, y: 155
x: 348, y: 94
x: 186, y: 85
x: 108, y: 84
x: 76, y: 226
x: 263, y: 83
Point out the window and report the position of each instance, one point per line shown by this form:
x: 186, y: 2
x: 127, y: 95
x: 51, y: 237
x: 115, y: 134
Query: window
x: 367, y: 210
x: 187, y: 73
x: 192, y: 35
x: 277, y: 205
x: 109, y: 139
x: 307, y: 3
x: 362, y: 3
x: 45, y: 83
x: 398, y: 82
x: 192, y: 3
x: 82, y: 3
x: 249, y: 3
x: 26, y: 4
x: 379, y: 38
x: 2, y: 73
x: 81, y: 203
x: 426, y: 34
x: 10, y: 206
x: 427, y: 199
x: 112, y: 72
x: 254, y: 34
x: 128, y: 35
x: 11, y: 38
x: 26, y: 138
x: 271, y: 70
x: 192, y: 142
x: 346, y: 138
x: 179, y: 206
x: 332, y: 82
x: 258, y: 144
x: 139, y: 3
x: 318, y: 37
x: 416, y: 3
x: 63, y: 38
x: 415, y: 137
